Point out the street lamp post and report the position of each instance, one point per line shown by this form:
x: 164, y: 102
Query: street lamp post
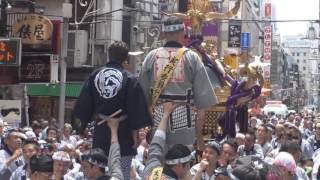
x: 66, y: 9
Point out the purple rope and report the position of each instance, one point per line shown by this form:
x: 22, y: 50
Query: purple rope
x: 228, y: 119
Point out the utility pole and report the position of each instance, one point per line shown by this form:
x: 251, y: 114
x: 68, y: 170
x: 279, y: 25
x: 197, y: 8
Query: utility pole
x: 318, y: 93
x: 116, y: 22
x: 319, y: 32
x: 67, y: 13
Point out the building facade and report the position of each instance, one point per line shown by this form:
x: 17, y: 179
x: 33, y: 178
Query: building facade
x: 136, y: 22
x: 305, y: 55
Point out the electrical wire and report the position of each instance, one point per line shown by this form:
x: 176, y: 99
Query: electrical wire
x: 218, y: 20
x: 108, y: 19
x: 105, y: 20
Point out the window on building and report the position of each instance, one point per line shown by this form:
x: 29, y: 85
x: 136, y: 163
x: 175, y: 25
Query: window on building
x: 304, y: 61
x: 293, y: 54
x: 298, y: 61
x: 304, y: 54
x: 298, y: 54
x: 304, y: 68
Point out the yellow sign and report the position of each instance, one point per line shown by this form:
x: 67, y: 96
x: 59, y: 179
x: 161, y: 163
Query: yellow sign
x: 33, y: 29
x: 267, y: 84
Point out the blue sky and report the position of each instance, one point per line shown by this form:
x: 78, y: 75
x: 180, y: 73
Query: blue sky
x: 293, y: 10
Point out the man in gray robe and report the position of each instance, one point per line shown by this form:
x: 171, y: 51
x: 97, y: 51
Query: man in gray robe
x: 189, y: 85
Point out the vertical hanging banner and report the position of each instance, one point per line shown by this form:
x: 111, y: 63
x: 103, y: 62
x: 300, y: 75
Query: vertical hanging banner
x: 267, y: 44
x: 234, y: 35
x: 245, y: 41
x: 267, y: 10
x: 267, y: 49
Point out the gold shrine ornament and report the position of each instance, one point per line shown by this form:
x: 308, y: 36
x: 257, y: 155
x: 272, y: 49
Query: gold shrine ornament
x: 199, y: 13
x: 33, y: 29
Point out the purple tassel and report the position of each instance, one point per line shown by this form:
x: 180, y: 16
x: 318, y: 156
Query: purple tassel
x: 228, y: 119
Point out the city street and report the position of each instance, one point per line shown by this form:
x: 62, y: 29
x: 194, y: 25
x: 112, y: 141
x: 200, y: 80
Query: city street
x: 159, y: 89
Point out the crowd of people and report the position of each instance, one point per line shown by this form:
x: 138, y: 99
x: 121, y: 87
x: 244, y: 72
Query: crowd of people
x: 41, y: 152
x: 272, y: 148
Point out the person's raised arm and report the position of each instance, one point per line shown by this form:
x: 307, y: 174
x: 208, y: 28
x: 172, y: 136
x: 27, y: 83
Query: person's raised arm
x: 168, y: 107
x: 157, y: 146
x: 114, y: 163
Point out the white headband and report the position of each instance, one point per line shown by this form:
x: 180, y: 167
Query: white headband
x: 179, y: 160
x: 174, y: 27
x: 61, y: 156
x: 95, y: 162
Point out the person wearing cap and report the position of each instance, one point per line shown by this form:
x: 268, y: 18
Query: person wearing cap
x: 111, y: 89
x: 294, y: 149
x: 30, y: 136
x: 29, y: 148
x: 189, y: 85
x: 253, y: 122
x: 41, y: 167
x: 175, y: 164
x: 95, y: 161
x: 11, y: 155
x: 252, y: 168
x: 287, y: 165
x: 205, y: 170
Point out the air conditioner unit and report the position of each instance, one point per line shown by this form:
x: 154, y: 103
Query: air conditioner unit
x: 77, y: 48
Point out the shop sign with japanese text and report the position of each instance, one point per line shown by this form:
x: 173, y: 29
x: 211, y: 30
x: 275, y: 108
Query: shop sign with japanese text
x: 33, y: 29
x: 234, y: 35
x: 35, y: 68
x: 267, y: 44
